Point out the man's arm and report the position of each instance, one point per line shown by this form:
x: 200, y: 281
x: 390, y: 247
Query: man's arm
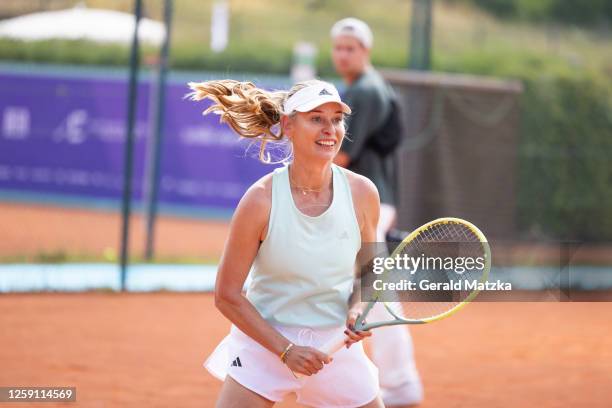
x: 366, y: 117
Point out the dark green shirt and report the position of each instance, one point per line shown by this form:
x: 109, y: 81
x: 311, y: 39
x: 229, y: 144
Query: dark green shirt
x: 370, y: 100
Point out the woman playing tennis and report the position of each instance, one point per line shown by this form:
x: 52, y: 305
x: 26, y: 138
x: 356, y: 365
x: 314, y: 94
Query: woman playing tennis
x: 298, y: 231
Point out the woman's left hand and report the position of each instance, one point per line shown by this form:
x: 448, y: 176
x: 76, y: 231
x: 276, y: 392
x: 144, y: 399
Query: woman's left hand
x: 354, y: 335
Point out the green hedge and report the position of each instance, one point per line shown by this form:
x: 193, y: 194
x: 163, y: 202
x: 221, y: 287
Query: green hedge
x: 64, y: 52
x: 236, y: 58
x: 250, y: 57
x: 565, y: 151
x: 584, y: 12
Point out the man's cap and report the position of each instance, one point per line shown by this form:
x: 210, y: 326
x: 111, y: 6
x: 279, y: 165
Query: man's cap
x: 353, y: 27
x: 313, y: 95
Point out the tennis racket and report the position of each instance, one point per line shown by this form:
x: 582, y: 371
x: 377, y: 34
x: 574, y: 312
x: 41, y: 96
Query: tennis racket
x: 455, y: 283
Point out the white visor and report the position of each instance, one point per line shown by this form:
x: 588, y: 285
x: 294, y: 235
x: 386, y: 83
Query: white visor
x: 306, y: 99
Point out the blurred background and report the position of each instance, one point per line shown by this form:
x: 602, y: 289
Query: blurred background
x: 507, y: 105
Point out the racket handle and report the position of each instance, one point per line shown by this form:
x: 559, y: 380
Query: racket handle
x: 330, y: 347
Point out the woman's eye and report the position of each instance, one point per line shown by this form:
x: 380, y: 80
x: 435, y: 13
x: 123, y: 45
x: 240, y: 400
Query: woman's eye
x: 337, y: 121
x: 316, y: 119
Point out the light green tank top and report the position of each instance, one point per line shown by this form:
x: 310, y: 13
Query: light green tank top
x: 303, y: 272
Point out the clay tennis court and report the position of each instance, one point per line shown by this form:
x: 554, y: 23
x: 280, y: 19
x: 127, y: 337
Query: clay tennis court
x: 146, y: 350
x: 30, y: 230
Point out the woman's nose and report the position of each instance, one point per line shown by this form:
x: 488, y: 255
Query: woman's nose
x: 328, y: 127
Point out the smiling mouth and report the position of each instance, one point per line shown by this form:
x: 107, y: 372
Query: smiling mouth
x: 326, y: 143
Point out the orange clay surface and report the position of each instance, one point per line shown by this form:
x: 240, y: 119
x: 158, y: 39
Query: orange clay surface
x: 146, y: 350
x: 29, y: 230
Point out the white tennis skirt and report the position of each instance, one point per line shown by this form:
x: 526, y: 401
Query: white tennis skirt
x: 350, y: 380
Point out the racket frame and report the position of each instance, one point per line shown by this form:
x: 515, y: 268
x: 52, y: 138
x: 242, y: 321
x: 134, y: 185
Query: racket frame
x: 361, y: 325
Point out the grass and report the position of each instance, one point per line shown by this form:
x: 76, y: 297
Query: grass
x: 461, y: 31
x: 263, y: 33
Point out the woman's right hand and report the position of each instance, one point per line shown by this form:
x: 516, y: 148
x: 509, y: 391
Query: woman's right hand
x: 306, y: 360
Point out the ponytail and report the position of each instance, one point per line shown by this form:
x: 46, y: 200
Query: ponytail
x: 250, y: 111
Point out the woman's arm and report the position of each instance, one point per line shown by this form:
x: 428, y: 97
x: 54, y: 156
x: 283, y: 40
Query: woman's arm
x: 246, y: 228
x: 249, y: 222
x: 367, y: 209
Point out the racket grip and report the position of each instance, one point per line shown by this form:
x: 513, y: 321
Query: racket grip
x: 330, y: 347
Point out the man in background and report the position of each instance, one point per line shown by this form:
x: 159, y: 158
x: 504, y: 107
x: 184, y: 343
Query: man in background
x: 371, y: 100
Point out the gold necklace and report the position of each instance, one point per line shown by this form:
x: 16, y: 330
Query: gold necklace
x: 305, y: 190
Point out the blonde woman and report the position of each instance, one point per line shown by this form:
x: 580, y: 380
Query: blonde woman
x: 297, y: 231
x: 371, y: 97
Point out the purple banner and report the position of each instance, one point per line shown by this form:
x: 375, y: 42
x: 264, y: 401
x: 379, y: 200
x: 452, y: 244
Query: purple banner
x: 64, y: 137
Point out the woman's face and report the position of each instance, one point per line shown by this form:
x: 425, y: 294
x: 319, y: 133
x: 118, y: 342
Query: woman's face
x: 318, y: 134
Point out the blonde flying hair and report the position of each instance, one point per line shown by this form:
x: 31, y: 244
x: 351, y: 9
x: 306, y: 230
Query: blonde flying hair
x: 250, y: 111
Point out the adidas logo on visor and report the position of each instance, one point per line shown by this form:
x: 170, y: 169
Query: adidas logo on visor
x: 311, y: 96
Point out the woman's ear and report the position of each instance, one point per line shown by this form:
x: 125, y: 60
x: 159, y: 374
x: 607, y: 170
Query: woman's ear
x: 286, y: 125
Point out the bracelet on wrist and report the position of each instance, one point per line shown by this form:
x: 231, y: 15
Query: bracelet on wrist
x: 283, y: 356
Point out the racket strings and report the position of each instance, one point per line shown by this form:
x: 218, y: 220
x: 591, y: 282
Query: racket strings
x: 438, y: 243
